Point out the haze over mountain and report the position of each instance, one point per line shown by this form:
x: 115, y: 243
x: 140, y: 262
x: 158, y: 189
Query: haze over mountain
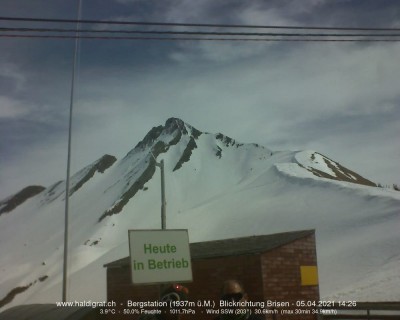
x: 216, y: 188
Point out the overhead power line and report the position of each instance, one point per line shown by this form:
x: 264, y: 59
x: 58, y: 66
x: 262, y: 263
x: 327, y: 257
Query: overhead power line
x: 325, y: 34
x: 201, y: 33
x: 138, y: 23
x: 196, y: 39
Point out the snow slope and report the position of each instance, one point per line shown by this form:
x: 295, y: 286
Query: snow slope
x: 217, y: 188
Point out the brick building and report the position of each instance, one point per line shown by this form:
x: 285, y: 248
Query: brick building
x: 279, y: 267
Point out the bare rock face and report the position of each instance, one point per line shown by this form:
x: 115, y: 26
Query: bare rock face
x: 14, y: 201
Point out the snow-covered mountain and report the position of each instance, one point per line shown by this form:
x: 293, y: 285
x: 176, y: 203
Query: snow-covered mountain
x: 216, y: 188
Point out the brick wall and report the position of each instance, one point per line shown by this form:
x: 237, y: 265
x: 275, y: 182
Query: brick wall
x: 209, y: 275
x: 281, y: 275
x: 120, y: 290
x: 273, y: 275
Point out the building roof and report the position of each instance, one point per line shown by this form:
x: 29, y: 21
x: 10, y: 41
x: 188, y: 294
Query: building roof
x: 48, y: 312
x: 233, y: 246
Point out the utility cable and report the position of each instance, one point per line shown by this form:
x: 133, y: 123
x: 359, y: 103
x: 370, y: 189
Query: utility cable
x: 193, y: 38
x: 201, y: 33
x: 191, y: 24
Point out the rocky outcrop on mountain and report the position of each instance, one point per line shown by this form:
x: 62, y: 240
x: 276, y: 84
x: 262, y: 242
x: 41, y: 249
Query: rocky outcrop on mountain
x: 100, y: 165
x: 321, y: 166
x: 14, y: 201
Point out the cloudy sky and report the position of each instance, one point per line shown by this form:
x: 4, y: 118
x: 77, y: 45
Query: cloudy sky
x: 341, y: 99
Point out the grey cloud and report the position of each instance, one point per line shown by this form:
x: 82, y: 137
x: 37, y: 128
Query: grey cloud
x: 339, y: 99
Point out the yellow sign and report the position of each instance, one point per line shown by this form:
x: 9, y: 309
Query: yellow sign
x: 309, y: 275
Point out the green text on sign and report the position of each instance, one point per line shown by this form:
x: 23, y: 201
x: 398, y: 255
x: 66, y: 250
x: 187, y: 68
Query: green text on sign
x: 159, y: 256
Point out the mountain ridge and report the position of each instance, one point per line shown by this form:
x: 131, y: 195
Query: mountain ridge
x: 228, y: 188
x: 338, y: 172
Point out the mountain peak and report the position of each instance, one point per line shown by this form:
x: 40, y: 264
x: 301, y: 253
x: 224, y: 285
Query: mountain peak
x: 171, y: 126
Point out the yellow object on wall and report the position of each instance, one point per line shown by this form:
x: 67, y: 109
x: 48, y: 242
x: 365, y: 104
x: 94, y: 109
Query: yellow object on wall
x: 309, y: 275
